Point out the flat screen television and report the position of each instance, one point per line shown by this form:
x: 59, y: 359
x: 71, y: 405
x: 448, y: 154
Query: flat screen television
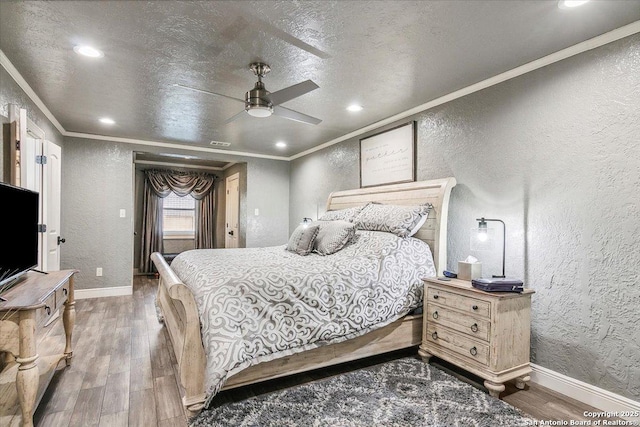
x: 19, y: 248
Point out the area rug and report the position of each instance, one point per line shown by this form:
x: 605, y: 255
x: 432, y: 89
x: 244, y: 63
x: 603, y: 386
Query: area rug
x: 404, y: 392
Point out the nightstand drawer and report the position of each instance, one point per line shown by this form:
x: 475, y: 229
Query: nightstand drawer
x: 458, y: 343
x: 459, y: 302
x: 458, y: 321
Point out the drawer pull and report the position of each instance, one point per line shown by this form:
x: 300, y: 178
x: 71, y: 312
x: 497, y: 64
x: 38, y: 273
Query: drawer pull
x: 434, y: 335
x: 473, y: 351
x: 474, y: 327
x: 65, y: 291
x: 435, y: 314
x: 475, y: 307
x: 435, y: 297
x: 48, y: 310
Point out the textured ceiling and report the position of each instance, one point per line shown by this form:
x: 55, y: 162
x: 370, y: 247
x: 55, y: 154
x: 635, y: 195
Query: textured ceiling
x: 387, y: 56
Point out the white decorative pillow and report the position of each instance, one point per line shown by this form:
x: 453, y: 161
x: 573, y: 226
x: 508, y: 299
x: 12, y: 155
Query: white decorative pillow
x: 348, y: 214
x: 399, y: 220
x: 333, y: 236
x: 302, y: 239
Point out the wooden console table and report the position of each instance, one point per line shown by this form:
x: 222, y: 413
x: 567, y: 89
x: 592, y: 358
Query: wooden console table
x: 26, y: 375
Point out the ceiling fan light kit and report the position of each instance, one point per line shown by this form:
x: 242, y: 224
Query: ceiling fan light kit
x: 259, y: 102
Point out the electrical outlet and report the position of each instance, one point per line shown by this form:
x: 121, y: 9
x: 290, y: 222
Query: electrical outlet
x: 99, y: 271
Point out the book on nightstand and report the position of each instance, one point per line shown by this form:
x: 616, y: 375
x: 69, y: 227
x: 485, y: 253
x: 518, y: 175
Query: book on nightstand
x: 498, y: 285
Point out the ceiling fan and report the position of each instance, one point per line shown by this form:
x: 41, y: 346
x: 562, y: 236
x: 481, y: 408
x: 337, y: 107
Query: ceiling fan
x: 259, y: 102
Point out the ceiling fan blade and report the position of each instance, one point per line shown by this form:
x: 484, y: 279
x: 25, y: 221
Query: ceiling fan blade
x: 288, y: 93
x: 208, y: 92
x: 294, y: 115
x: 234, y: 117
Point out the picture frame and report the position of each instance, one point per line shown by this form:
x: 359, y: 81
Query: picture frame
x: 388, y: 157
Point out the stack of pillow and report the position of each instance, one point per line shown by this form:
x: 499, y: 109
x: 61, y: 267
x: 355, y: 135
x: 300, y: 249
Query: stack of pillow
x: 335, y: 229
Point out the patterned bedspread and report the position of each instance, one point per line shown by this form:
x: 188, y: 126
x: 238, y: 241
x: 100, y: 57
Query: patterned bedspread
x: 260, y: 304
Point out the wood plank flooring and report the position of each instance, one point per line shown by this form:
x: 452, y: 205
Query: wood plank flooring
x: 124, y: 372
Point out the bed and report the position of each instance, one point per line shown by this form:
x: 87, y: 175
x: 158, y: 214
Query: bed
x: 178, y: 304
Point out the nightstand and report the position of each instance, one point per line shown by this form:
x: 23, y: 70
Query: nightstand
x: 485, y: 333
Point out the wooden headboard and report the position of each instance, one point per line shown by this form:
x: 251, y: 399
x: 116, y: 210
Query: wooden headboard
x: 436, y: 192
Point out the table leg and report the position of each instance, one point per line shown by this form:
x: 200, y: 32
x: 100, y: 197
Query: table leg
x: 424, y: 354
x: 494, y: 388
x: 28, y: 376
x: 522, y: 381
x: 69, y: 320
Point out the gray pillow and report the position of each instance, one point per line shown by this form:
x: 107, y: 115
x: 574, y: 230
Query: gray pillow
x: 348, y: 214
x: 333, y: 236
x: 396, y: 219
x: 302, y: 239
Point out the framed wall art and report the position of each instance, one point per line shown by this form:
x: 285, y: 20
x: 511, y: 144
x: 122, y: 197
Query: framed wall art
x: 388, y: 157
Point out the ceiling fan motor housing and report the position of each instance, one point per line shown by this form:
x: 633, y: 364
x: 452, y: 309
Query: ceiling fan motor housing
x: 258, y: 98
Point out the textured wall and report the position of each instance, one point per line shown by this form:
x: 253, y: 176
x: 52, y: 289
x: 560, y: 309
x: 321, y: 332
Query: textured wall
x: 11, y: 93
x: 268, y: 191
x: 556, y: 155
x: 98, y: 181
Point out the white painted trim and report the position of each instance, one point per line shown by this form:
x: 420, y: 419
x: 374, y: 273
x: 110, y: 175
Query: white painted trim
x: 180, y: 165
x: 228, y: 165
x: 583, y: 392
x: 17, y: 77
x: 114, y: 291
x: 611, y: 36
x: 584, y: 46
x: 35, y: 130
x: 171, y: 145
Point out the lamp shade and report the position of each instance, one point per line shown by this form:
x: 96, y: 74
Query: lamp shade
x: 482, y: 239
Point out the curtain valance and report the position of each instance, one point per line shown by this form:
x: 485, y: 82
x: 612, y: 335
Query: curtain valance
x: 163, y: 182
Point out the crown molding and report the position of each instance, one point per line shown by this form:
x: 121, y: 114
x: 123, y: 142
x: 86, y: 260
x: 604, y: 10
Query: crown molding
x: 560, y: 55
x: 576, y: 49
x: 170, y: 145
x: 17, y: 77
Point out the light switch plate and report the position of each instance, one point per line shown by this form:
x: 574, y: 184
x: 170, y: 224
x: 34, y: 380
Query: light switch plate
x: 256, y: 212
x: 123, y: 213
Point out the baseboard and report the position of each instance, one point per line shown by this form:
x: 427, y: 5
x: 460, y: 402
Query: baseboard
x: 114, y: 291
x: 585, y: 393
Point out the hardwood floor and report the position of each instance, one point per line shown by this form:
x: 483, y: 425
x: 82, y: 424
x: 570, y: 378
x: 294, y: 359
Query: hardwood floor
x: 123, y: 371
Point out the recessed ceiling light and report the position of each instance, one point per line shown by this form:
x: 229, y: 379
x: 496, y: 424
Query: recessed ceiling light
x: 89, y: 51
x: 354, y: 108
x: 281, y: 144
x: 570, y: 4
x: 107, y: 121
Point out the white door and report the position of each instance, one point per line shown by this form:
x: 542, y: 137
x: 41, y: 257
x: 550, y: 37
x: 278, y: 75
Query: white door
x: 232, y: 214
x: 31, y: 177
x: 51, y: 177
x: 30, y: 174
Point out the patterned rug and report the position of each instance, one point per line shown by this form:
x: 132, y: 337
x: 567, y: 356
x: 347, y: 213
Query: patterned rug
x: 403, y: 392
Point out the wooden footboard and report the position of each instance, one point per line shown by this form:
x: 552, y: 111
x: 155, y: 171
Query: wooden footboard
x: 180, y: 316
x: 180, y: 313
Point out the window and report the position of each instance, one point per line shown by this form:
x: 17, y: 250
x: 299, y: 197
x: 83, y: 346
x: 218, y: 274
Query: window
x: 178, y: 217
